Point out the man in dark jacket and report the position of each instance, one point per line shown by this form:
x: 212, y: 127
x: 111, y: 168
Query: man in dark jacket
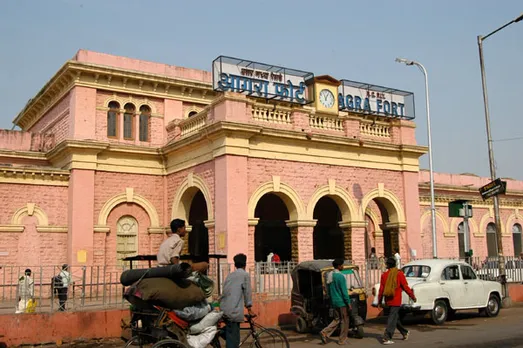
x: 392, y: 283
x: 340, y: 301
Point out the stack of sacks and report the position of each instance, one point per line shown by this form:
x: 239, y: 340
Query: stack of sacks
x: 167, y: 287
x: 202, y: 333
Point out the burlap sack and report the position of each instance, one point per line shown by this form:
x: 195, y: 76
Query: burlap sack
x: 169, y: 294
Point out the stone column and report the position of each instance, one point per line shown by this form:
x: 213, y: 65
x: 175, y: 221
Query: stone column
x: 302, y: 239
x: 185, y: 250
x: 209, y: 224
x: 231, y: 204
x: 354, y: 239
x: 80, y: 217
x: 251, y: 252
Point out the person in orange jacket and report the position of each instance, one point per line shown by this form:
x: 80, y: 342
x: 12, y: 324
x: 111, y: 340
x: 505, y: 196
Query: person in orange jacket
x: 392, y: 283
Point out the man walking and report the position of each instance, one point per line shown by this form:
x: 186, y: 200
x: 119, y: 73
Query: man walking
x: 340, y: 302
x: 170, y: 249
x: 392, y: 283
x: 236, y: 296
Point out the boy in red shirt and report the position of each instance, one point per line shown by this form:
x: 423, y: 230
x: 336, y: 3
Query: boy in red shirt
x: 393, y: 282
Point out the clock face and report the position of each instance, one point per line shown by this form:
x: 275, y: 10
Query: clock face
x: 326, y: 98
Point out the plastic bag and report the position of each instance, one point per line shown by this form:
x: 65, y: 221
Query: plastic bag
x: 209, y: 320
x: 205, y: 283
x: 203, y: 339
x: 194, y: 313
x: 31, y: 306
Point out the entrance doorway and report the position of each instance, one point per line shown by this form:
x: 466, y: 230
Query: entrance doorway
x: 199, y: 235
x: 271, y: 234
x: 327, y: 236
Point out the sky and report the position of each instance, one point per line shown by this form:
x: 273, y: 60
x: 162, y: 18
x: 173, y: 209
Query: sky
x: 354, y: 40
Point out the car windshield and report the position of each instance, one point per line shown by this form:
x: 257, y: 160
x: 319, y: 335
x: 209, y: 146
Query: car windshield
x: 416, y: 271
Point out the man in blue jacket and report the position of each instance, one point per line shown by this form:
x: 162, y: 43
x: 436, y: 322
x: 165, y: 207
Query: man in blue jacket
x: 340, y: 302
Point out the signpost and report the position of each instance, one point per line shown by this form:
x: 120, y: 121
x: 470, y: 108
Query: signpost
x: 493, y: 188
x: 461, y: 208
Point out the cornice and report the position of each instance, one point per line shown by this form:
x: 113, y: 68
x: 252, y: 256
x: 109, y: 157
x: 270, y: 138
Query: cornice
x: 74, y: 73
x: 34, y: 176
x: 470, y: 190
x: 443, y: 200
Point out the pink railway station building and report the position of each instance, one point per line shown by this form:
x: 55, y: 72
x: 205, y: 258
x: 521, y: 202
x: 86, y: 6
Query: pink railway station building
x: 255, y: 157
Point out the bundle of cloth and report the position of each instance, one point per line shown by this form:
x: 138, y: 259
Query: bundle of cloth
x: 180, y: 289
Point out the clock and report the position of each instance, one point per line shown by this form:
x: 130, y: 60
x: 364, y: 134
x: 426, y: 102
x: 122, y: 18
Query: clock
x: 326, y: 98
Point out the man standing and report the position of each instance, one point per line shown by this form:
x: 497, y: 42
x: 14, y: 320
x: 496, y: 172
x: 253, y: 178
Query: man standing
x: 392, y: 283
x: 62, y: 290
x: 25, y: 291
x: 170, y: 249
x: 340, y: 302
x: 236, y: 295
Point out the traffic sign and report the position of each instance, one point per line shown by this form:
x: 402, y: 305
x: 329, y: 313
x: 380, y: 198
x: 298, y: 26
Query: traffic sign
x: 493, y: 188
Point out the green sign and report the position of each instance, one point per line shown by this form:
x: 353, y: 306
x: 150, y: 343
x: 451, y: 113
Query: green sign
x: 459, y: 208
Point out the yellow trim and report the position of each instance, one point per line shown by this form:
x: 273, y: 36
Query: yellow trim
x: 378, y: 232
x: 485, y: 221
x: 52, y: 229
x: 473, y: 226
x: 390, y: 201
x: 343, y: 199
x: 29, y: 210
x: 288, y: 195
x: 515, y: 218
x: 446, y: 231
x: 12, y: 228
x: 183, y: 199
x: 122, y: 198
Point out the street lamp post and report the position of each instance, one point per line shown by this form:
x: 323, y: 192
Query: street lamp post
x: 429, y: 135
x: 497, y: 219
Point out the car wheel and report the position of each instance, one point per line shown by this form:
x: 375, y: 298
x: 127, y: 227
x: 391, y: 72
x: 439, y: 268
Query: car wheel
x: 440, y: 312
x: 301, y: 325
x: 493, y: 306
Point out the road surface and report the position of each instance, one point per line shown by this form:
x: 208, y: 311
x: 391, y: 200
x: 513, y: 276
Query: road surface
x: 468, y: 330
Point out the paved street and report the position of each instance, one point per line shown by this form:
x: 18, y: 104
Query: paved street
x: 468, y: 331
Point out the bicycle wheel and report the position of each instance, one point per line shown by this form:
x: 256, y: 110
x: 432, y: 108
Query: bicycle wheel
x: 169, y: 343
x: 137, y: 341
x: 270, y: 337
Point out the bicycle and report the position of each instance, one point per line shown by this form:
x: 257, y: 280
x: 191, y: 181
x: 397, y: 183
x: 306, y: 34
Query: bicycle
x: 261, y: 336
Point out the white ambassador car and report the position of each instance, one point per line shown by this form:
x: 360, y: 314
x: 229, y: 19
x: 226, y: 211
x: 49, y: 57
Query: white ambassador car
x: 444, y: 286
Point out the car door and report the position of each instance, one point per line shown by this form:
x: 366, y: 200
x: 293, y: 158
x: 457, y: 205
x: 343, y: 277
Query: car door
x: 452, y: 286
x: 474, y: 291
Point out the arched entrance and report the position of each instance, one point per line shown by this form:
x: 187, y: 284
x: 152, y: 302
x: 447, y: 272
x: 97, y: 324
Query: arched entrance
x: 370, y: 231
x: 328, y: 240
x: 199, y: 235
x: 271, y: 233
x: 389, y: 218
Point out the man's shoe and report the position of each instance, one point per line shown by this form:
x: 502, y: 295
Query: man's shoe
x: 323, y: 338
x: 387, y: 341
x: 344, y: 342
x: 406, y: 336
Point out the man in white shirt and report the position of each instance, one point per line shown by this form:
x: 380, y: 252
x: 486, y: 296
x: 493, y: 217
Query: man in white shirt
x: 397, y: 256
x: 170, y: 249
x: 63, y: 280
x: 26, y: 291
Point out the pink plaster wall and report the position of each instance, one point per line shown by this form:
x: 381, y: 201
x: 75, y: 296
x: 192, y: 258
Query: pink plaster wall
x: 25, y: 141
x: 82, y: 113
x: 465, y: 180
x: 142, y: 65
x: 56, y: 120
x: 31, y: 247
x: 107, y: 185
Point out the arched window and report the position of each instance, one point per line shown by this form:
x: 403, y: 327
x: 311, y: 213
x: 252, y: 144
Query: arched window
x: 492, y: 243
x: 193, y: 113
x: 145, y: 114
x: 126, y: 238
x: 128, y: 121
x: 516, y: 239
x: 461, y: 239
x: 112, y: 119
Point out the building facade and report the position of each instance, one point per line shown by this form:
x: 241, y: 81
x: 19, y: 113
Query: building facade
x: 112, y: 148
